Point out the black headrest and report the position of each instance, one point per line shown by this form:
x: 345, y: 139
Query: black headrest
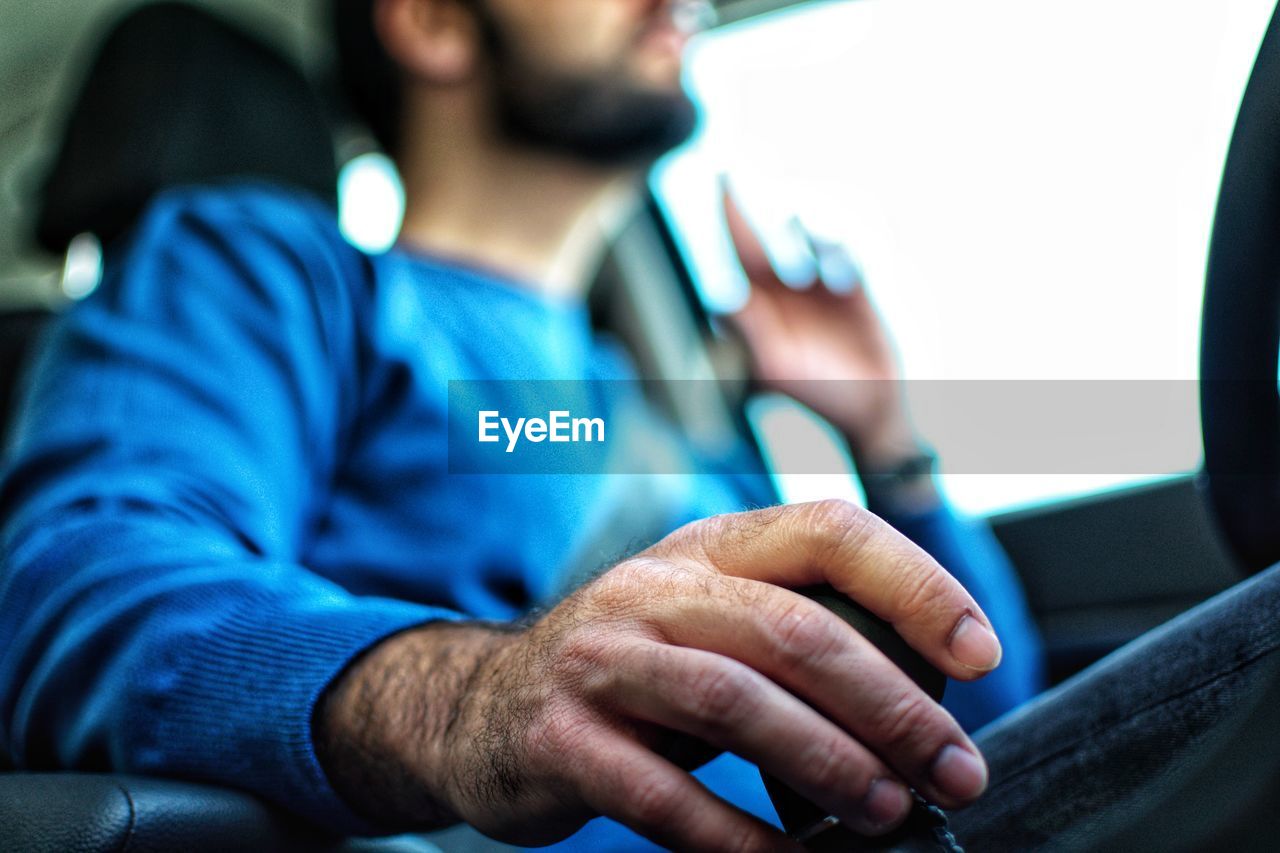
x: 177, y: 96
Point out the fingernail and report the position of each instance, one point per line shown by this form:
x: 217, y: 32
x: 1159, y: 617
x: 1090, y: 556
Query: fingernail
x: 839, y: 271
x: 885, y: 805
x: 960, y: 773
x: 974, y: 645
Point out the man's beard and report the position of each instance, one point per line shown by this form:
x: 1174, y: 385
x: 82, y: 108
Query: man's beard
x: 603, y: 118
x: 605, y: 121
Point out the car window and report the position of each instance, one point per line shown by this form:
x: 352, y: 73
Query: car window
x: 1028, y: 185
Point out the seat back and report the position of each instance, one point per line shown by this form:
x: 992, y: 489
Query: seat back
x: 177, y: 96
x: 174, y: 95
x: 18, y: 333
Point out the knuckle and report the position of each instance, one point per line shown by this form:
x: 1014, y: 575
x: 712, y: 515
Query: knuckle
x: 920, y: 588
x: 836, y: 524
x: 618, y: 586
x: 654, y: 801
x: 834, y: 515
x: 720, y: 695
x: 829, y: 766
x: 731, y: 536
x: 908, y: 719
x: 558, y: 734
x: 695, y: 540
x: 582, y: 656
x: 633, y: 586
x: 749, y: 839
x: 804, y: 633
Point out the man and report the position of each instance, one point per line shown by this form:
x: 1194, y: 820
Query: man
x: 234, y: 551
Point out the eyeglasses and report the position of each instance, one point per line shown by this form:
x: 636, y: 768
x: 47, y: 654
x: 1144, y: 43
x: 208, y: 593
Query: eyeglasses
x: 693, y: 16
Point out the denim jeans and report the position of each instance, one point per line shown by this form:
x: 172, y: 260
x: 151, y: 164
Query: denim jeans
x: 1171, y: 743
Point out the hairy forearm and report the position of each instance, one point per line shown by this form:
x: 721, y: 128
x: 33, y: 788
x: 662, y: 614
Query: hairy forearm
x: 383, y: 730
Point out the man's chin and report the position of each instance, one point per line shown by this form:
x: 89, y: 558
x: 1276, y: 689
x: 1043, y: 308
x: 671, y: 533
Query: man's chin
x: 608, y: 125
x: 652, y: 136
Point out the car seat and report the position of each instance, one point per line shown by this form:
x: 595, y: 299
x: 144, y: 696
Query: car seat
x: 175, y: 95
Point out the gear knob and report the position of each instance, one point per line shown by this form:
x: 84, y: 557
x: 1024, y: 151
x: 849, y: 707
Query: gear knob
x: 805, y: 821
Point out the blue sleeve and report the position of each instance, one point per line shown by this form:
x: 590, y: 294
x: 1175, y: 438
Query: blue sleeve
x: 969, y: 551
x: 178, y: 438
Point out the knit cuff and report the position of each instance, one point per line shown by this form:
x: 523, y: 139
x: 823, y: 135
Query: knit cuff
x: 249, y: 686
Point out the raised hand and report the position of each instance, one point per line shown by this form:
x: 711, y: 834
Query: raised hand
x: 824, y: 345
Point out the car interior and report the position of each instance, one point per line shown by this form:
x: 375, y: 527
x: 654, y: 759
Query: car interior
x: 170, y: 93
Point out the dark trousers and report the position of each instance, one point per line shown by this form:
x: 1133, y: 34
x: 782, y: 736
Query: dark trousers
x: 1172, y: 743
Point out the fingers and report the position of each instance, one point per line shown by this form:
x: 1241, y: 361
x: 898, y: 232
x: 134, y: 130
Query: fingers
x: 820, y: 261
x: 810, y: 652
x: 663, y: 803
x: 864, y: 558
x: 724, y: 703
x: 750, y: 249
x: 837, y: 269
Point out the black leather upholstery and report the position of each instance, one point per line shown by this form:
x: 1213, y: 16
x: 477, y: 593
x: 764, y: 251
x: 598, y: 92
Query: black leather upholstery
x: 18, y: 333
x: 87, y: 813
x: 177, y: 96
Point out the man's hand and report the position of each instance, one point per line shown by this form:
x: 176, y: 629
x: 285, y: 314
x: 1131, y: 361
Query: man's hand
x: 691, y: 647
x: 825, y: 346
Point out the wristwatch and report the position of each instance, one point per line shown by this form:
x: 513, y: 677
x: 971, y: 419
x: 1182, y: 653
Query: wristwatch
x: 907, y: 486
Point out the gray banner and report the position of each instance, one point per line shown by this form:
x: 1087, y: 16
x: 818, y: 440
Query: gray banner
x: 977, y: 427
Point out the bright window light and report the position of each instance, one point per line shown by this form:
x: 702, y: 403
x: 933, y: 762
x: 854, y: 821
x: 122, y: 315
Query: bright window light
x: 1029, y: 185
x: 370, y: 202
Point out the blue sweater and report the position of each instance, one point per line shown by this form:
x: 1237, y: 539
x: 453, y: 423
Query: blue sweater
x: 230, y: 478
